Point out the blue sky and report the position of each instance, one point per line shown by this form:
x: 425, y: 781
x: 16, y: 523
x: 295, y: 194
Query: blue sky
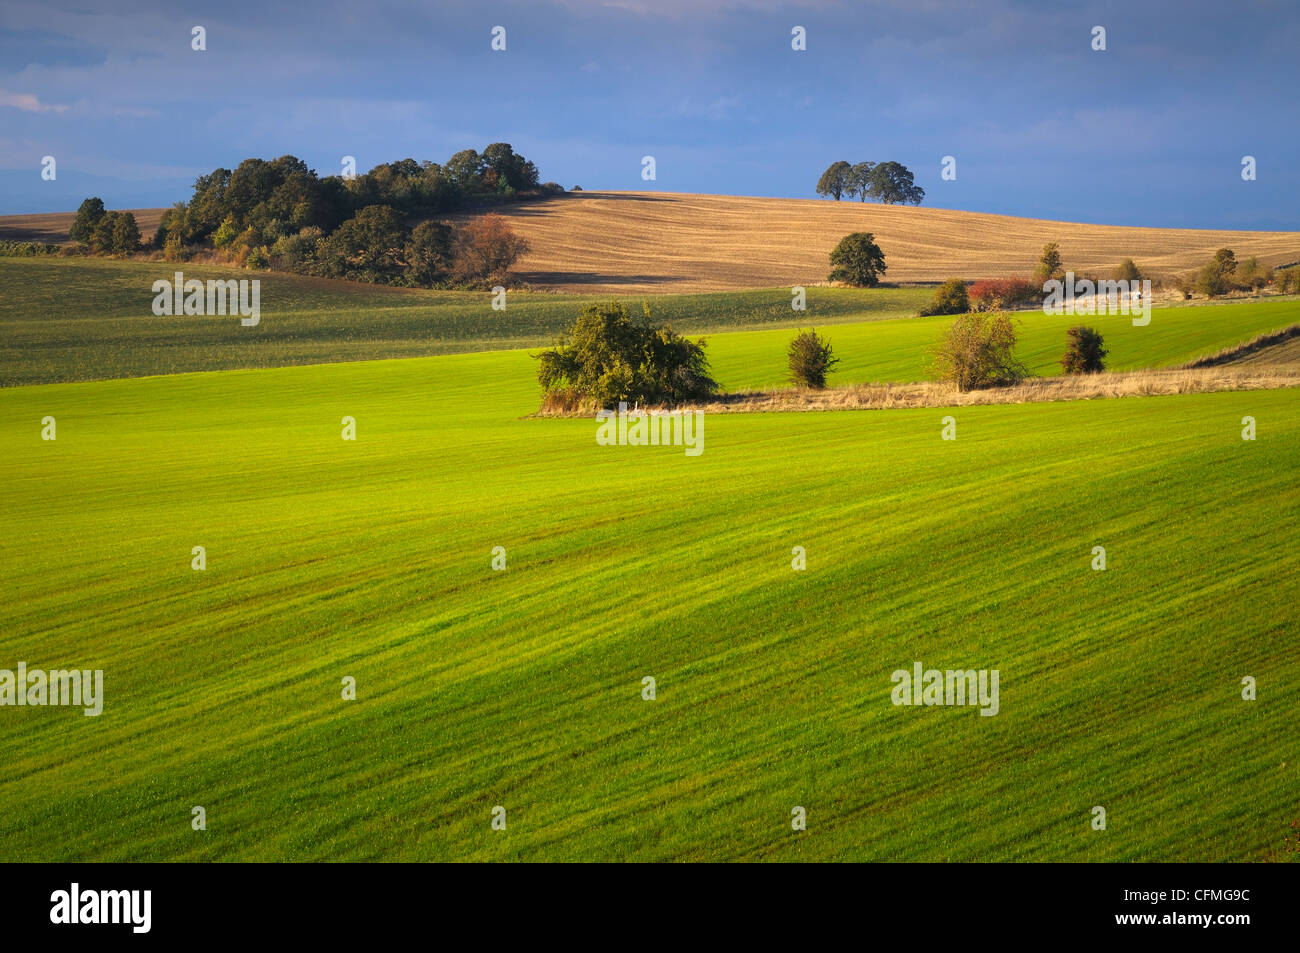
x: 1150, y: 132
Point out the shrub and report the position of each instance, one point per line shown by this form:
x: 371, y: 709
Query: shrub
x: 258, y: 258
x: 484, y: 249
x: 1126, y: 271
x: 10, y: 249
x: 1049, y: 265
x: 576, y: 188
x: 977, y: 351
x: 1251, y: 275
x: 949, y: 298
x: 297, y: 252
x: 89, y: 214
x: 995, y: 294
x: 1083, y: 352
x: 551, y: 188
x: 1211, y: 281
x: 607, y: 358
x: 858, y: 260
x: 810, y: 359
x: 126, y: 234
x: 429, y: 254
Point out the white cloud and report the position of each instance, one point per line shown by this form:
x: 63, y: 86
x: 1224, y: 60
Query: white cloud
x: 27, y: 103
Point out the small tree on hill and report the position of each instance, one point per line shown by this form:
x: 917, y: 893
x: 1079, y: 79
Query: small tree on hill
x: 858, y: 260
x: 978, y: 351
x: 810, y: 359
x: 1049, y: 265
x: 1084, y: 353
x: 126, y: 234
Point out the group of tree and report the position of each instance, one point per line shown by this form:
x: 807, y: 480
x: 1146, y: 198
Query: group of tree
x: 888, y: 182
x: 107, y: 233
x: 280, y: 213
x: 1223, y: 273
x: 979, y: 350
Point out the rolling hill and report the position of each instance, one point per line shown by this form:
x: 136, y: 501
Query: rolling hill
x: 646, y: 242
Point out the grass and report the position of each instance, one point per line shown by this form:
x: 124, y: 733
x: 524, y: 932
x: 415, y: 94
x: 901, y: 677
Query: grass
x: 522, y: 688
x: 88, y: 319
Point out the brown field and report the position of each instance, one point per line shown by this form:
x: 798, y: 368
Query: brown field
x: 645, y: 242
x: 52, y: 227
x: 614, y: 242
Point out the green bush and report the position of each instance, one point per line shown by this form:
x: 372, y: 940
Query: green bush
x: 605, y: 357
x: 1084, y: 353
x: 978, y: 351
x: 810, y: 359
x: 949, y: 298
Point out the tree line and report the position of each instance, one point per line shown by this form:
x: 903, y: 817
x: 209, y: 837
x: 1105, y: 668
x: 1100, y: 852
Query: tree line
x: 280, y: 213
x: 889, y: 182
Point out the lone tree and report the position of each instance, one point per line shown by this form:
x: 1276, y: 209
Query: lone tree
x: 893, y: 184
x: 836, y: 180
x: 1049, y: 265
x: 606, y: 357
x: 1215, y: 278
x: 858, y: 260
x: 978, y: 351
x: 810, y: 359
x: 1083, y: 352
x: 485, y: 249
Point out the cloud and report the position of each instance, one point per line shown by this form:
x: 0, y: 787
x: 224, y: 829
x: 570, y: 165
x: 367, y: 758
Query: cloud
x: 27, y: 103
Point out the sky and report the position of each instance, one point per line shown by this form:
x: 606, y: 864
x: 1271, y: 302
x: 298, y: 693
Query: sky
x: 1151, y: 131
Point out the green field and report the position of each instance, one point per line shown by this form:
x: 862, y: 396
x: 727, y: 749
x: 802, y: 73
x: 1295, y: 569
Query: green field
x: 89, y: 319
x: 522, y: 688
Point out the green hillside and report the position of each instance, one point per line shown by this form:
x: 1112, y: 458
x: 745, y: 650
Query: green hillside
x: 522, y: 688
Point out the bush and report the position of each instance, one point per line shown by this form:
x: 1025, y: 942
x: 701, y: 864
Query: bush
x: 1287, y: 280
x: 995, y: 294
x: 1126, y: 271
x: 1251, y: 275
x: 977, y: 351
x: 429, y: 254
x: 576, y: 188
x: 1083, y: 352
x: 1211, y: 281
x: 810, y: 359
x: 484, y: 249
x: 949, y: 298
x: 89, y: 214
x: 297, y: 252
x: 1049, y: 265
x: 9, y: 249
x: 858, y: 261
x: 551, y: 188
x: 126, y: 234
x: 258, y: 258
x: 607, y: 358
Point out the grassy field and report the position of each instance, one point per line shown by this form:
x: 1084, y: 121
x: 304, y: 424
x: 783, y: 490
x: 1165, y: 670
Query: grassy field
x: 521, y: 688
x: 89, y: 319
